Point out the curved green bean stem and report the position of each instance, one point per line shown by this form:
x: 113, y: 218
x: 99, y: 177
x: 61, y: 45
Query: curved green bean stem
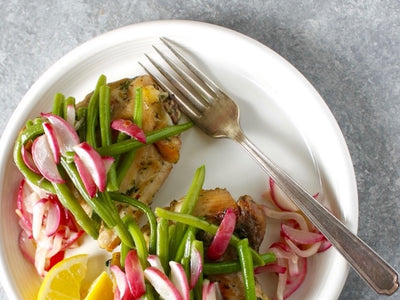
x: 154, y: 136
x: 246, y: 263
x: 138, y: 238
x: 146, y: 210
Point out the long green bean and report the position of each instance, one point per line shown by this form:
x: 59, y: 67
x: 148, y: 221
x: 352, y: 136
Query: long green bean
x: 189, y: 203
x: 138, y: 238
x: 227, y: 267
x: 58, y: 103
x: 162, y: 249
x: 92, y: 113
x: 246, y: 263
x: 71, y: 203
x: 26, y: 135
x: 146, y: 210
x: 203, y: 225
x: 154, y: 136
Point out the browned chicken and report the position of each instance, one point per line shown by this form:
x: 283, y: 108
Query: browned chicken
x: 152, y: 163
x: 251, y: 224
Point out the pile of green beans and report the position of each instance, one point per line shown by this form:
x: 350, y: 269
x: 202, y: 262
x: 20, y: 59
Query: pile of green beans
x: 172, y: 235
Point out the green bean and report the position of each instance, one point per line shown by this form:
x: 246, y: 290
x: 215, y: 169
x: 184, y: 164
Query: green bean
x: 228, y: 267
x: 201, y: 224
x: 92, y: 113
x: 129, y: 157
x: 146, y: 210
x: 246, y: 262
x: 26, y: 135
x: 138, y: 239
x: 162, y: 249
x: 189, y: 203
x: 58, y: 103
x: 119, y: 227
x: 71, y: 203
x: 81, y: 114
x: 123, y: 253
x: 154, y: 136
x: 183, y: 248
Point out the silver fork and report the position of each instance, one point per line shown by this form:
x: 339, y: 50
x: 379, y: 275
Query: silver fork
x: 218, y: 116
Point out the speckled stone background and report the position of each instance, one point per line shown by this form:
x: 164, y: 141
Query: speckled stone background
x: 349, y: 50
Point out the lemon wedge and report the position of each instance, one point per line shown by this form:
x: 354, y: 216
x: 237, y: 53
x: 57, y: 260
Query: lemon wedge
x: 63, y: 281
x: 101, y: 288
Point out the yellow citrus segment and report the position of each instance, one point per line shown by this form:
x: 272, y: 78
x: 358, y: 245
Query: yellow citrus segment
x: 101, y: 288
x: 63, y: 281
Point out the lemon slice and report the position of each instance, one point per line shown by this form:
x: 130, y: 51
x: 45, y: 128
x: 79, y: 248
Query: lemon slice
x: 63, y: 281
x: 101, y: 288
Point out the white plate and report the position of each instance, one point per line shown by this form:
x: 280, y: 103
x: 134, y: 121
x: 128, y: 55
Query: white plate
x: 280, y: 111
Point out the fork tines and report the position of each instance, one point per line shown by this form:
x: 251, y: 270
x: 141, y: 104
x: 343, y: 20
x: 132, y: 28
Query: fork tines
x: 178, y: 76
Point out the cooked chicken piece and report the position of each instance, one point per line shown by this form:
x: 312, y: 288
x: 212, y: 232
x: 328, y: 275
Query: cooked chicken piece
x: 251, y: 224
x: 152, y: 163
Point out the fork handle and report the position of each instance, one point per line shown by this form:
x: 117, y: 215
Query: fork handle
x: 367, y: 263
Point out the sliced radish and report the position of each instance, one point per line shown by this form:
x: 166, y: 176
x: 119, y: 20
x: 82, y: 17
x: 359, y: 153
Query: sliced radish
x: 28, y: 160
x: 86, y: 177
x: 66, y: 134
x: 134, y: 274
x: 286, y: 215
x: 154, y: 261
x: 294, y: 282
x: 211, y: 291
x: 301, y: 236
x: 179, y: 279
x: 196, y: 266
x: 27, y: 246
x: 325, y: 245
x: 280, y: 199
x: 46, y: 218
x: 52, y: 140
x: 223, y: 236
x: 161, y: 283
x: 71, y: 114
x: 129, y: 128
x: 122, y: 283
x: 43, y: 158
x: 108, y: 161
x: 313, y: 249
x: 271, y: 268
x: 94, y: 163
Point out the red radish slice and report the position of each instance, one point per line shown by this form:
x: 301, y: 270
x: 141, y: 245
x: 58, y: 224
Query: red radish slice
x: 301, y: 236
x: 325, y: 245
x: 94, y: 163
x: 71, y: 114
x: 52, y: 140
x: 134, y: 275
x: 196, y: 266
x: 286, y: 215
x: 179, y: 279
x: 270, y: 268
x: 129, y: 128
x: 27, y: 246
x: 86, y: 177
x: 122, y: 283
x: 43, y: 158
x: 28, y: 160
x: 280, y: 199
x: 294, y: 282
x: 313, y: 249
x: 154, y: 261
x: 66, y: 134
x: 46, y: 218
x: 161, y: 283
x: 211, y: 291
x: 108, y: 161
x: 223, y: 236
